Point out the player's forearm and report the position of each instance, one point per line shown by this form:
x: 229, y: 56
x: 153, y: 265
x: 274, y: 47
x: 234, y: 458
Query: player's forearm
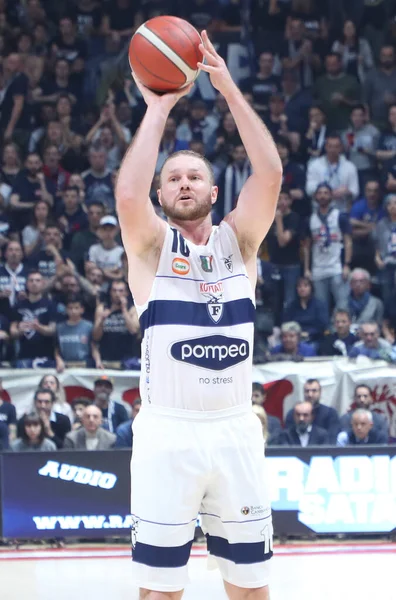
x: 138, y: 166
x: 256, y: 138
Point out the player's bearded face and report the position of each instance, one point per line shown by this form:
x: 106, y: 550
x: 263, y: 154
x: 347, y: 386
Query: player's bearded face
x: 187, y: 210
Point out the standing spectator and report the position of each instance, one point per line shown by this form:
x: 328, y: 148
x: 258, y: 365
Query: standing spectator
x: 222, y: 143
x: 4, y: 338
x: 264, y: 84
x: 83, y: 240
x: 51, y: 382
x: 309, y: 312
x: 107, y: 254
x: 67, y: 45
x: 30, y: 186
x: 267, y: 307
x: 124, y: 431
x: 7, y: 414
x: 313, y: 143
x: 34, y: 326
x: 363, y: 399
x: 303, y: 432
x: 291, y: 346
x: 60, y: 83
x: 13, y: 275
x: 370, y: 344
x: 113, y: 136
x: 119, y: 23
x: 293, y: 178
x: 72, y: 217
x: 364, y: 216
x: 14, y: 118
x: 336, y: 171
x: 360, y: 142
x: 116, y: 327
x: 298, y: 102
x: 341, y: 341
x: 336, y: 92
x: 327, y: 233
x: 323, y: 416
x: 362, y: 305
x: 98, y: 181
x: 385, y: 256
x: 199, y: 125
x: 361, y: 432
x: 47, y: 260
x: 113, y: 413
x: 298, y: 53
x: 169, y: 143
x: 56, y: 426
x: 33, y: 436
x: 11, y: 165
x: 283, y: 242
x: 380, y: 86
x: 276, y: 121
x: 91, y: 435
x: 54, y: 171
x: 235, y: 176
x: 387, y: 141
x: 33, y: 234
x: 355, y: 51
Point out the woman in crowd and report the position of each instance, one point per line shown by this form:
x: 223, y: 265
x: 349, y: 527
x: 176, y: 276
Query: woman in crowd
x: 32, y: 235
x: 33, y: 436
x: 357, y: 57
x: 51, y: 382
x: 11, y: 163
x: 309, y: 312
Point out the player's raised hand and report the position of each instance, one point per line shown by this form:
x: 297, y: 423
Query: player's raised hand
x: 216, y: 67
x: 167, y: 100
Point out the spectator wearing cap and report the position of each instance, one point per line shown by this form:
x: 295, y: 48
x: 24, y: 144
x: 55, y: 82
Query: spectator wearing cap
x: 336, y: 171
x: 361, y: 304
x: 124, y: 431
x: 72, y: 217
x: 91, y: 435
x: 169, y: 143
x: 385, y: 255
x: 363, y: 399
x: 291, y: 346
x: 107, y: 254
x: 361, y: 432
x: 336, y: 92
x: 264, y: 84
x: 98, y: 179
x: 259, y: 394
x: 327, y: 234
x: 113, y: 413
x: 83, y: 240
x: 199, y: 125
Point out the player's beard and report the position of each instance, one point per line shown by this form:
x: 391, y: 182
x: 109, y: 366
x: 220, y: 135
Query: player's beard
x: 180, y: 212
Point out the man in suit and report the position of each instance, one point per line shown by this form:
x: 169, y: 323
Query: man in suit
x: 361, y: 432
x: 323, y: 416
x: 258, y: 397
x: 91, y: 436
x: 303, y: 432
x: 56, y: 425
x: 363, y: 398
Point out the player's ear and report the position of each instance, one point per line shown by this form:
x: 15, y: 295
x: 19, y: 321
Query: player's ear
x: 214, y: 193
x: 159, y: 196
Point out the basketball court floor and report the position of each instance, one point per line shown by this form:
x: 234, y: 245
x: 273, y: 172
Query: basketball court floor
x: 308, y: 572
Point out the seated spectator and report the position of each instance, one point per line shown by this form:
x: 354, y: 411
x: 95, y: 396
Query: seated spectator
x: 363, y: 398
x: 116, y: 329
x: 324, y: 416
x: 259, y: 393
x: 361, y: 305
x: 83, y: 240
x: 291, y: 346
x: 386, y: 150
x: 361, y: 432
x: 340, y: 342
x: 314, y: 140
x: 262, y: 415
x: 267, y: 307
x: 370, y: 344
x: 232, y: 181
x: 56, y: 425
x: 52, y: 256
x: 72, y: 217
x: 385, y: 242
x: 264, y: 84
x: 360, y: 142
x: 33, y: 436
x: 114, y: 413
x: 7, y: 414
x: 73, y: 341
x: 283, y: 243
x: 308, y: 311
x: 107, y: 254
x: 328, y: 249
x: 97, y: 179
x: 169, y: 143
x: 30, y: 185
x: 336, y: 92
x: 33, y: 325
x: 78, y: 406
x: 13, y: 275
x: 293, y: 178
x: 355, y: 52
x: 124, y: 431
x: 364, y: 216
x: 4, y: 442
x: 33, y: 234
x: 336, y: 171
x: 303, y: 432
x: 51, y: 382
x: 90, y: 436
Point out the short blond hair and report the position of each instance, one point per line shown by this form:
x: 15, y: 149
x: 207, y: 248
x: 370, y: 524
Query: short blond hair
x: 262, y: 415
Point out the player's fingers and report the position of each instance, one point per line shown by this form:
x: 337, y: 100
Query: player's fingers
x: 208, y: 55
x: 207, y: 68
x: 207, y: 43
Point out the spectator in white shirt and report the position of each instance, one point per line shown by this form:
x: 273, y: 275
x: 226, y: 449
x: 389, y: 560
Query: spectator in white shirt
x: 334, y: 169
x: 107, y: 254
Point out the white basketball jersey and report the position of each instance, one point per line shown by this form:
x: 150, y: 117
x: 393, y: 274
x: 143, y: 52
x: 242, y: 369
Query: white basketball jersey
x: 197, y: 326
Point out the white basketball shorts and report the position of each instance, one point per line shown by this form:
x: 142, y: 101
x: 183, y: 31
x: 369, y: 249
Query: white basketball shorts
x: 185, y: 464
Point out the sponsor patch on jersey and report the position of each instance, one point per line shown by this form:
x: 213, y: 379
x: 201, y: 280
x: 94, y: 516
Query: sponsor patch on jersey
x: 213, y: 292
x: 213, y: 352
x: 180, y: 266
x: 229, y: 265
x: 207, y: 263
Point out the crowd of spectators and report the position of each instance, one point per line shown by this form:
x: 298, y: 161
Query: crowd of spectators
x: 322, y: 75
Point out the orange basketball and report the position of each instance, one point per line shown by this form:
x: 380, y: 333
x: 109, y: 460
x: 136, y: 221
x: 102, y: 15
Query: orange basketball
x: 164, y: 53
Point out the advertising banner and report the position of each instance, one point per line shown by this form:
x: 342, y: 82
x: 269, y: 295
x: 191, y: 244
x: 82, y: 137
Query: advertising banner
x: 86, y: 494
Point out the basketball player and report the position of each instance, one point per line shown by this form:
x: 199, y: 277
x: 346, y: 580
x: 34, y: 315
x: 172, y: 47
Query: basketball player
x: 198, y: 447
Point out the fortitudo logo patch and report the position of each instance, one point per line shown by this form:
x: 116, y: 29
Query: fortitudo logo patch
x: 214, y: 352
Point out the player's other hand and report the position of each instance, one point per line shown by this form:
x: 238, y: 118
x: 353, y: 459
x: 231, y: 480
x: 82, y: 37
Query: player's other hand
x: 216, y: 67
x: 167, y: 100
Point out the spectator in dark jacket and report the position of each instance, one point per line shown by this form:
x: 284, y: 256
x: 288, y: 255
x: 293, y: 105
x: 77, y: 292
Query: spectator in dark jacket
x: 124, y: 431
x: 340, y: 342
x: 56, y: 426
x: 323, y: 416
x: 309, y: 312
x: 3, y: 436
x: 361, y: 431
x: 363, y: 398
x: 303, y: 432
